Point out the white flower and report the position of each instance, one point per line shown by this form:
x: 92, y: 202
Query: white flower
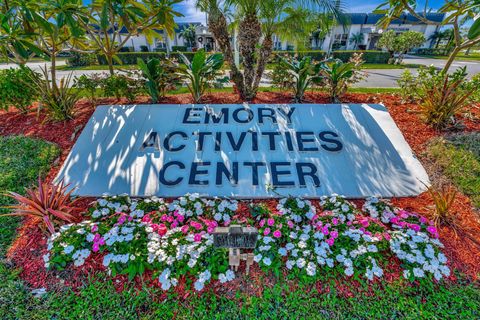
x: 349, y: 271
x: 267, y: 261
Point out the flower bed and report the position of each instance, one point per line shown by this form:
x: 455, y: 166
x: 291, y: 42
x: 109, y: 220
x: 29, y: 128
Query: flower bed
x: 175, y: 242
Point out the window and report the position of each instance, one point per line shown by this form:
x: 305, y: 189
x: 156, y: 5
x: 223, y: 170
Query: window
x: 340, y: 41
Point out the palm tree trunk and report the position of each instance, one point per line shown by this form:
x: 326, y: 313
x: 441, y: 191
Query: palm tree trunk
x: 264, y: 56
x: 217, y: 24
x: 250, y: 31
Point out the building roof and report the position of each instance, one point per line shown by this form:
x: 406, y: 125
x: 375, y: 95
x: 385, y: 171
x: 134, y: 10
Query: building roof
x: 405, y: 18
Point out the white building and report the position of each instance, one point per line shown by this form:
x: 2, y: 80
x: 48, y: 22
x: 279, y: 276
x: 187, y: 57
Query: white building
x: 338, y: 39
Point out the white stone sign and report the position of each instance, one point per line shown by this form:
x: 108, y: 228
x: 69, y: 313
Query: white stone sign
x: 243, y: 151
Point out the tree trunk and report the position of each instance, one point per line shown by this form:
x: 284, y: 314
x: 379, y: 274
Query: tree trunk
x: 110, y: 63
x: 451, y: 58
x: 217, y: 24
x: 250, y: 31
x: 264, y: 56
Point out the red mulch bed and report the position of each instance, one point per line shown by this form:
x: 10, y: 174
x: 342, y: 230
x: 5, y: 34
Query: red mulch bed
x: 27, y: 250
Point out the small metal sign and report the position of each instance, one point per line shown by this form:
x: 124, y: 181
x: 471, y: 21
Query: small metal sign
x: 235, y: 237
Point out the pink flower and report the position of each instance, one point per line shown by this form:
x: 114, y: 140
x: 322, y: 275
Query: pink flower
x: 277, y: 234
x: 365, y: 223
x: 180, y: 218
x: 290, y: 224
x: 262, y: 223
x: 404, y: 214
x: 95, y: 247
x: 423, y: 220
x: 349, y: 223
x: 161, y: 229
x: 196, y: 225
x: 335, y: 221
x: 266, y: 232
x: 334, y: 234
x: 164, y: 218
x: 146, y: 219
x: 211, y: 229
x: 432, y: 229
x: 96, y: 237
x: 414, y: 227
x: 197, y: 237
x: 395, y: 220
x: 130, y: 218
x: 121, y: 220
x: 325, y: 230
x: 378, y: 235
x: 184, y: 229
x: 330, y: 241
x: 94, y: 228
x: 270, y: 222
x: 174, y: 224
x: 386, y: 236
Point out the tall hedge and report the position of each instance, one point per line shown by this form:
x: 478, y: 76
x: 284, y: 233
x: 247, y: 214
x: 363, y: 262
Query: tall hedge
x: 369, y: 56
x: 131, y: 57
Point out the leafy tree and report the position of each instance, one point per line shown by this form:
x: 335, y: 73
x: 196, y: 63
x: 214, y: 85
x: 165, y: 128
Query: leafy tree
x: 400, y: 44
x: 17, y: 33
x: 258, y: 21
x: 356, y: 39
x: 190, y: 35
x: 107, y: 19
x: 455, y: 10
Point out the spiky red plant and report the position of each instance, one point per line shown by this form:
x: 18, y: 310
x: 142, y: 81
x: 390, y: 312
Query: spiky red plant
x: 50, y: 202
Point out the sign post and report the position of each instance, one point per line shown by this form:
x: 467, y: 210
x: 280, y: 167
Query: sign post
x: 236, y: 238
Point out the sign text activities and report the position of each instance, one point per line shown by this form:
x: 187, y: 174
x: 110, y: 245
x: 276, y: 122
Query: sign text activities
x: 242, y: 151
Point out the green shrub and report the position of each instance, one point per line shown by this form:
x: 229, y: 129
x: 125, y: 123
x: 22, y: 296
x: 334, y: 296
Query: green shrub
x: 316, y: 55
x: 89, y: 83
x: 77, y: 59
x: 281, y: 77
x: 337, y: 75
x: 121, y: 86
x: 179, y: 48
x: 442, y: 96
x: 14, y: 88
x: 368, y: 56
x: 160, y: 76
x: 58, y: 99
x: 201, y: 72
x: 303, y: 73
x: 408, y: 86
x: 433, y: 51
x: 132, y: 57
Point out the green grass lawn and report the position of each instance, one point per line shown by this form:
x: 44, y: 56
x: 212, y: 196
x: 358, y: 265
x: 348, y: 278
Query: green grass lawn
x: 459, y: 158
x: 22, y: 160
x: 386, y: 66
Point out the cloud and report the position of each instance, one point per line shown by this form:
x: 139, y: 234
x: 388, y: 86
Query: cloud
x: 190, y: 12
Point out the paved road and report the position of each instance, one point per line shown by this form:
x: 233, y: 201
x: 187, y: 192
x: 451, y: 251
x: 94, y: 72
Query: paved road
x: 379, y: 78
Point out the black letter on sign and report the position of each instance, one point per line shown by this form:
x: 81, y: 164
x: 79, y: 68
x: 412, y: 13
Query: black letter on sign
x: 168, y: 146
x: 271, y: 139
x: 302, y: 173
x: 216, y: 117
x: 231, y: 175
x: 164, y: 169
x: 254, y: 166
x: 189, y: 113
x: 236, y: 145
x: 151, y: 141
x: 276, y: 173
x: 338, y: 145
x: 301, y: 140
x: 201, y: 139
x: 249, y: 115
x: 271, y: 115
x: 194, y: 172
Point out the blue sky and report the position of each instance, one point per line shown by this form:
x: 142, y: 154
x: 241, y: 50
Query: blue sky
x: 187, y: 8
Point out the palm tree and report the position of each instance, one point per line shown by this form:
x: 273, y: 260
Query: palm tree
x: 356, y: 38
x: 189, y: 34
x: 258, y: 21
